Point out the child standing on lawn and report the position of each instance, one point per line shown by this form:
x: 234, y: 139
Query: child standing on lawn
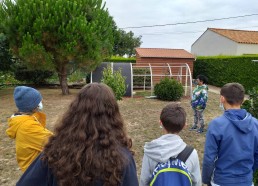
x: 231, y: 148
x: 198, y: 102
x: 172, y: 121
x: 90, y: 145
x: 27, y: 125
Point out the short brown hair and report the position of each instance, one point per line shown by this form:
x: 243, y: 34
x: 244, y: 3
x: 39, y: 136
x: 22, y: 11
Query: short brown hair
x: 234, y: 93
x: 173, y: 117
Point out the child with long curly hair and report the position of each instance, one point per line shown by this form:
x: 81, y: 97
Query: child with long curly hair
x: 89, y: 146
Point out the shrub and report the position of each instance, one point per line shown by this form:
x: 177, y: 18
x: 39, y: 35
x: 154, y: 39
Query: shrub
x: 115, y: 81
x: 77, y: 76
x: 7, y: 78
x: 32, y: 76
x: 169, y: 90
x: 251, y: 105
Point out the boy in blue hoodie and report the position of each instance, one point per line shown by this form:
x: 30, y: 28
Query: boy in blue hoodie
x: 198, y: 102
x: 231, y: 147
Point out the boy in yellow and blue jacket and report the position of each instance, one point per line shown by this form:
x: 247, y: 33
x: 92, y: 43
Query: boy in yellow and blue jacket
x: 198, y: 102
x: 27, y: 126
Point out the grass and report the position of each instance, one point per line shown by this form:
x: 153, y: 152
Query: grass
x: 140, y: 115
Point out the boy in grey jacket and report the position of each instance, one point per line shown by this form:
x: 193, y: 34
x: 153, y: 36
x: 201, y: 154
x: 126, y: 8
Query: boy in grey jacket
x: 172, y: 121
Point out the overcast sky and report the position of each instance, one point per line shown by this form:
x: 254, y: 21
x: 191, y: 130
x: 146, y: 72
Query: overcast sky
x: 132, y: 13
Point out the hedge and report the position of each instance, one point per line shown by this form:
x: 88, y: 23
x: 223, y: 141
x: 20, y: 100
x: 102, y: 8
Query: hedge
x: 121, y: 60
x: 224, y: 69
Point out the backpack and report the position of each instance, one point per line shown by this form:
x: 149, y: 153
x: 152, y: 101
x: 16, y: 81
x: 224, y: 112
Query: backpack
x: 174, y: 172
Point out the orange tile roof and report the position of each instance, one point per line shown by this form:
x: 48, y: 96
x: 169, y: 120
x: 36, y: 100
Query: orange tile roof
x: 163, y: 53
x: 239, y: 36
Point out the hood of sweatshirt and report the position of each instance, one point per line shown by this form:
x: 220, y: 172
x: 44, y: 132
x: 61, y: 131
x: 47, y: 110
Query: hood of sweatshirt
x: 14, y: 122
x: 241, y: 119
x: 161, y: 149
x: 205, y: 87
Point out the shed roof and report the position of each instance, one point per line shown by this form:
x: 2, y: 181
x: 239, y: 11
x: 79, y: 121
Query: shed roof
x: 163, y: 53
x: 239, y: 36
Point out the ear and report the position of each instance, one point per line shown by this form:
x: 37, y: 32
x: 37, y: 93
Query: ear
x: 222, y: 99
x: 160, y: 123
x: 185, y: 125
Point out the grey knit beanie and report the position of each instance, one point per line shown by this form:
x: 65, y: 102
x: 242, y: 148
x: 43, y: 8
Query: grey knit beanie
x: 26, y: 98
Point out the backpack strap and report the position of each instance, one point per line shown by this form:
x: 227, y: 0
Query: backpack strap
x: 183, y: 156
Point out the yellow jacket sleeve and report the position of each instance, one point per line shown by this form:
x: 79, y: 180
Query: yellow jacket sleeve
x: 30, y: 140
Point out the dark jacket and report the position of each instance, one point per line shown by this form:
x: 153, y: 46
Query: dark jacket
x: 39, y: 174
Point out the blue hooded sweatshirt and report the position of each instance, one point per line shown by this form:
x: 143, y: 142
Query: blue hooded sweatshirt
x: 231, y: 149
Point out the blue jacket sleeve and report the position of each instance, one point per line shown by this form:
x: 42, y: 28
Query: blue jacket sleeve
x: 255, y: 167
x: 38, y: 174
x: 210, y: 155
x: 130, y: 173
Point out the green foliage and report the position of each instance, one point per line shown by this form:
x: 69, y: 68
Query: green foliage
x: 223, y: 69
x: 52, y: 79
x: 77, y: 76
x: 5, y: 56
x: 255, y: 180
x: 246, y: 105
x: 119, y: 59
x: 169, y: 90
x: 28, y: 75
x: 139, y: 80
x: 251, y: 105
x: 7, y: 78
x: 115, y: 81
x: 35, y: 56
x: 48, y: 34
x: 125, y: 42
x: 33, y: 76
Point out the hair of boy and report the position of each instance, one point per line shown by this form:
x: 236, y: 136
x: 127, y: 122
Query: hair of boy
x: 173, y: 117
x: 202, y: 78
x: 234, y: 93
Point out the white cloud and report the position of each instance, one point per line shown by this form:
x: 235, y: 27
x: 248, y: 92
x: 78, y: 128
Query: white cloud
x: 128, y: 13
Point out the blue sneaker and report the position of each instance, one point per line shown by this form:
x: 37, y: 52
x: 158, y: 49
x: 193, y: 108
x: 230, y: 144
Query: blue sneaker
x: 193, y: 128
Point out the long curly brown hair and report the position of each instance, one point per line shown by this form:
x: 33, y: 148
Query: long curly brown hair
x: 88, y: 142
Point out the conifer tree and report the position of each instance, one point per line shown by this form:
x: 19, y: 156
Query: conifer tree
x: 51, y: 34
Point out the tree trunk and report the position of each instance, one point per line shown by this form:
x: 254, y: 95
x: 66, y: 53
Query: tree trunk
x: 62, y: 74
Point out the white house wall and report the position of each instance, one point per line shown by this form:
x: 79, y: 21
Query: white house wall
x: 213, y: 44
x: 247, y: 49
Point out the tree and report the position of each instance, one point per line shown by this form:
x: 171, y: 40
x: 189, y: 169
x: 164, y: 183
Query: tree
x: 5, y: 56
x: 125, y: 42
x: 50, y: 34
